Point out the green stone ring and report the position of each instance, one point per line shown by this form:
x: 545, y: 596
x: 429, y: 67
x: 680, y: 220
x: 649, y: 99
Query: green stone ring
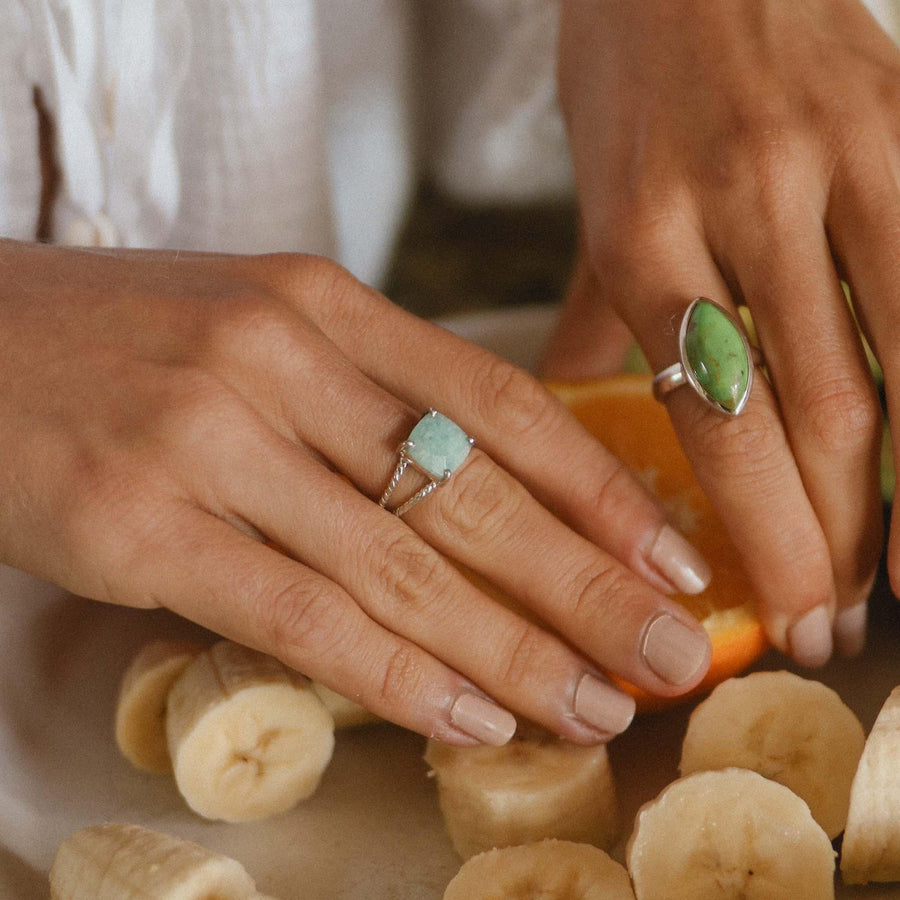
x: 717, y: 360
x: 436, y: 448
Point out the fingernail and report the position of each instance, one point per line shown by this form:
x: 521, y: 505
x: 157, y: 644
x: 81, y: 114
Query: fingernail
x: 602, y: 706
x: 483, y: 720
x: 849, y: 629
x: 674, y: 651
x: 809, y: 638
x: 679, y: 562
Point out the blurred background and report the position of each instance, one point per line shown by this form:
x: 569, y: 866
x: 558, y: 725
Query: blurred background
x: 454, y: 257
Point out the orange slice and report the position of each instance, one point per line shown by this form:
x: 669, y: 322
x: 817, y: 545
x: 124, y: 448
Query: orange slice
x: 621, y: 412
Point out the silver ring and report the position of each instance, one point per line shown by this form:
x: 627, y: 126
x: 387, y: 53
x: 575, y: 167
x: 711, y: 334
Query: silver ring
x: 717, y: 360
x: 436, y: 448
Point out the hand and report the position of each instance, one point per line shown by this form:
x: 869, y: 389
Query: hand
x: 169, y: 417
x: 748, y: 152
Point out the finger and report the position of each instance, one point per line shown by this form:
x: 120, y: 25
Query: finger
x: 824, y: 387
x: 394, y: 577
x: 251, y: 593
x: 589, y: 339
x: 524, y: 429
x: 486, y: 520
x: 410, y: 589
x: 745, y: 464
x: 863, y: 223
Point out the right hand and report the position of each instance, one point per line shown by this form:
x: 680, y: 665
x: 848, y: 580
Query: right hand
x: 747, y: 152
x: 167, y: 418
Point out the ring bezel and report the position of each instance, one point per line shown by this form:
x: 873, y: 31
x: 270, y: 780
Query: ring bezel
x: 455, y: 449
x: 683, y: 372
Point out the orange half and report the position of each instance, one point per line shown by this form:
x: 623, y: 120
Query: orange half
x: 622, y: 413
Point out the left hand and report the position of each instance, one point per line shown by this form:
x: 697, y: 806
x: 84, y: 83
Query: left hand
x: 748, y: 152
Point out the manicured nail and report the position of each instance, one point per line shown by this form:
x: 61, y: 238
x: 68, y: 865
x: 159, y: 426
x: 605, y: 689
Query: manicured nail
x: 849, y: 630
x: 674, y: 651
x: 483, y: 720
x: 809, y: 638
x: 679, y: 562
x: 602, y: 706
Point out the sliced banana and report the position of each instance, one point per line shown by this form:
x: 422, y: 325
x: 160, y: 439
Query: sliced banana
x: 792, y: 730
x: 550, y: 870
x: 729, y: 835
x: 126, y: 862
x: 871, y: 847
x: 141, y: 709
x: 536, y: 786
x: 346, y: 713
x: 248, y: 737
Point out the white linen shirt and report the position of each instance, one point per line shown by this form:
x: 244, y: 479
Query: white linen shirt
x: 265, y: 125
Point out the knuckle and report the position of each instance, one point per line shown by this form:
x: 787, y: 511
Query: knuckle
x: 298, y: 621
x: 402, y: 677
x: 316, y: 284
x: 744, y: 448
x: 841, y: 416
x: 514, y: 401
x: 410, y: 571
x: 315, y: 276
x: 778, y: 192
x: 521, y: 656
x: 598, y: 587
x: 482, y: 503
x: 614, y: 497
x: 291, y: 273
x: 762, y: 163
x: 249, y: 323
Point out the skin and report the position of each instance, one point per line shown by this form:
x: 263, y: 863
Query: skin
x: 172, y: 418
x: 747, y: 151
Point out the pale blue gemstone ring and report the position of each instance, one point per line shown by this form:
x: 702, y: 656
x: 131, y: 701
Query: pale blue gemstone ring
x: 436, y: 448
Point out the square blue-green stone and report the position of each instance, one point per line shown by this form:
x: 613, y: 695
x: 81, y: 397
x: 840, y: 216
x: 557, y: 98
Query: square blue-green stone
x: 439, y: 445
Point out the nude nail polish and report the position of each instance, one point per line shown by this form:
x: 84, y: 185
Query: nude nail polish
x: 675, y: 652
x: 483, y: 720
x: 679, y: 562
x: 601, y: 706
x: 849, y: 630
x: 809, y: 638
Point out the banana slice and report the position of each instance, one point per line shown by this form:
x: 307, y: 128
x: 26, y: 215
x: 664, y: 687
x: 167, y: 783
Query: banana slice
x: 871, y: 847
x: 550, y: 869
x: 536, y: 786
x: 790, y: 729
x: 346, y: 712
x: 248, y: 737
x: 126, y: 862
x: 141, y: 709
x: 729, y: 835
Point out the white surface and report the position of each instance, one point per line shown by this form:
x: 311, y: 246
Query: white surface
x: 373, y: 829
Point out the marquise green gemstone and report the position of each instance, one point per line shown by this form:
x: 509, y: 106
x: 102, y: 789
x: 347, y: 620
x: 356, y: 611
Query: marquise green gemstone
x: 717, y: 356
x: 438, y: 445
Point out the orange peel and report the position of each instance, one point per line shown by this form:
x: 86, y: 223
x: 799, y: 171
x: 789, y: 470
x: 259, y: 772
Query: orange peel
x: 621, y: 412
